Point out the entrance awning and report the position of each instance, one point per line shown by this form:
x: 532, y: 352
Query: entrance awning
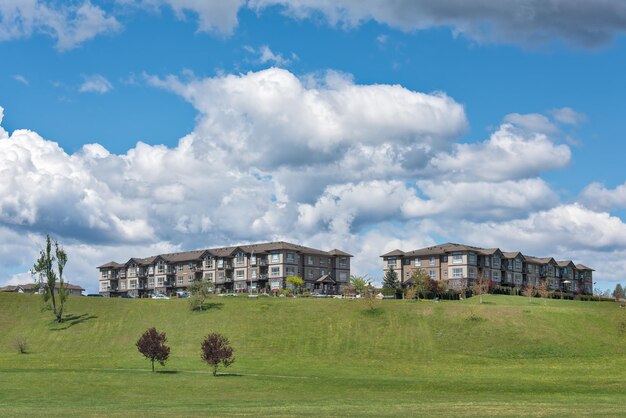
x: 326, y: 279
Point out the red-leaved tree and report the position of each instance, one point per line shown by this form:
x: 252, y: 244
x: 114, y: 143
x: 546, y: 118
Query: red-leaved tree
x: 152, y: 345
x: 216, y: 349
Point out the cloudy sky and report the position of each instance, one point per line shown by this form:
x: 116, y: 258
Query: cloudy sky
x: 134, y: 127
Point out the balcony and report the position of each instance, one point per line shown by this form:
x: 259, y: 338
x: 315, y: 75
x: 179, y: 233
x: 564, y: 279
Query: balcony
x: 262, y: 277
x: 262, y: 262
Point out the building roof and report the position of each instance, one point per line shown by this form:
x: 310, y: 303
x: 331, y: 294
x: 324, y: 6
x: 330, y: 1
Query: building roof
x: 511, y: 254
x: 394, y: 253
x: 583, y: 267
x: 34, y: 286
x: 262, y: 248
x: 566, y: 263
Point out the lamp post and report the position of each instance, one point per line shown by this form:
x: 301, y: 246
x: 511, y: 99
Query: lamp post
x: 564, y: 283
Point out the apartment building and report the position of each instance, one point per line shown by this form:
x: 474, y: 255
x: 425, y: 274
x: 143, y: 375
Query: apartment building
x: 459, y: 265
x: 246, y: 268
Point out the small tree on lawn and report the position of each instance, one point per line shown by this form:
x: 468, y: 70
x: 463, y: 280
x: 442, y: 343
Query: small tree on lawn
x: 152, y: 345
x: 529, y: 290
x: 544, y: 291
x: 421, y: 282
x: 360, y: 284
x: 296, y: 282
x: 216, y: 349
x: 200, y: 290
x: 481, y: 286
x: 47, y: 276
x: 618, y: 293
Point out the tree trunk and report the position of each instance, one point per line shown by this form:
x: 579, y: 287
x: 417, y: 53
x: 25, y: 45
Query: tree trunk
x: 152, y: 365
x: 215, y: 370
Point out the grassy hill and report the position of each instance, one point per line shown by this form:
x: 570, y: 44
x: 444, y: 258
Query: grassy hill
x: 318, y: 357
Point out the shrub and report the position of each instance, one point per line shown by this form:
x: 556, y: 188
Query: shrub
x: 20, y: 344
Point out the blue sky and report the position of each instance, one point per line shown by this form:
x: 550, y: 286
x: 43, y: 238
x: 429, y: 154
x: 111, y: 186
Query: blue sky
x: 353, y: 124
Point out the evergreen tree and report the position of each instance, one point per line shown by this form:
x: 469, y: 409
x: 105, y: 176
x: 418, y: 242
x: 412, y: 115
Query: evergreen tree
x: 618, y: 293
x: 390, y: 281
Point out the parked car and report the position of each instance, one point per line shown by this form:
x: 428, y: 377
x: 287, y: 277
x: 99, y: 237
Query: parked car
x: 159, y: 296
x: 127, y: 296
x: 183, y: 295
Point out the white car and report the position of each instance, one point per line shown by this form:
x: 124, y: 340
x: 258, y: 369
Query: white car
x: 159, y: 296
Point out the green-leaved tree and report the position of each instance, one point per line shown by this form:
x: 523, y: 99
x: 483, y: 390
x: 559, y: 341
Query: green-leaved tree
x: 48, y: 267
x: 421, y: 282
x: 200, y: 290
x: 296, y: 282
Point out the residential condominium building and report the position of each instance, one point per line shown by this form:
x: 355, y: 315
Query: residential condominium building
x: 244, y: 268
x: 459, y: 265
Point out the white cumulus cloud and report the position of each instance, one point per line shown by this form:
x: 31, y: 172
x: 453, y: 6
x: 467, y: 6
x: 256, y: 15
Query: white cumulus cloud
x: 95, y: 83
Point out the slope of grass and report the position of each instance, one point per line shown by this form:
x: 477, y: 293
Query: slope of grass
x: 506, y: 357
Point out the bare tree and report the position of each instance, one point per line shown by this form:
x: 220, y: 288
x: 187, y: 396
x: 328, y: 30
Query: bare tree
x: 529, y: 290
x: 544, y: 291
x: 481, y: 286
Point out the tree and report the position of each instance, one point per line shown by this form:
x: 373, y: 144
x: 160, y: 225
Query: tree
x: 360, y: 284
x: 200, y: 290
x: 481, y: 286
x: 618, y: 293
x: 296, y: 282
x: 152, y: 345
x: 216, y: 349
x: 529, y: 290
x: 47, y: 276
x: 421, y: 282
x: 544, y: 291
x: 390, y: 281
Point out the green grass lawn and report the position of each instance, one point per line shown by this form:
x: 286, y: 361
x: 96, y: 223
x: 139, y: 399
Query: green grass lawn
x: 317, y: 357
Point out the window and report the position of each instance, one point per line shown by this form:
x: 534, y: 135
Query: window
x: 289, y: 271
x: 240, y: 286
x: 496, y: 275
x: 275, y: 256
x: 160, y: 281
x: 239, y: 259
x: 310, y: 273
x: 208, y: 276
x: 323, y: 261
x: 343, y: 262
x: 160, y: 267
x: 391, y: 261
x: 253, y: 273
x: 486, y: 261
x: 179, y: 267
x: 496, y: 261
x: 457, y: 272
x: 208, y: 262
x: 518, y: 278
x: 431, y: 261
x: 322, y: 272
x: 133, y: 269
x: 472, y: 272
x: 239, y: 274
x: 432, y: 274
x: 291, y: 257
x: 105, y: 274
x: 190, y: 278
x: 104, y: 286
x: 417, y: 262
x: 253, y: 260
x: 309, y: 259
x: 343, y: 276
x: 445, y: 258
x: 220, y: 275
x: 518, y: 264
x: 472, y: 259
x: 192, y: 266
x: 407, y: 261
x: 220, y: 263
x: 123, y: 284
x: 151, y: 282
x: 133, y: 284
x: 151, y: 270
x: 457, y: 259
x: 275, y: 271
x: 179, y: 279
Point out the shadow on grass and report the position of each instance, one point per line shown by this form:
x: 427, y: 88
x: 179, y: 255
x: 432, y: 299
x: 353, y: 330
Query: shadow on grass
x: 207, y: 306
x: 228, y: 374
x: 373, y: 312
x: 70, y: 321
x: 167, y: 371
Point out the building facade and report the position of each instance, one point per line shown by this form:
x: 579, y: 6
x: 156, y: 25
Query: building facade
x: 459, y: 265
x: 245, y: 268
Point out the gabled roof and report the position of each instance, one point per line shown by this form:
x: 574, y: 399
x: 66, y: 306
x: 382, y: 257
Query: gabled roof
x: 326, y: 279
x: 394, y: 253
x: 184, y: 256
x: 111, y: 265
x: 339, y: 252
x: 566, y: 263
x: 583, y: 267
x: 512, y: 254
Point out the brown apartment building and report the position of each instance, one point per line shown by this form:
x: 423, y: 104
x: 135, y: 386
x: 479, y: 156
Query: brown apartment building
x: 459, y: 265
x: 244, y: 268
